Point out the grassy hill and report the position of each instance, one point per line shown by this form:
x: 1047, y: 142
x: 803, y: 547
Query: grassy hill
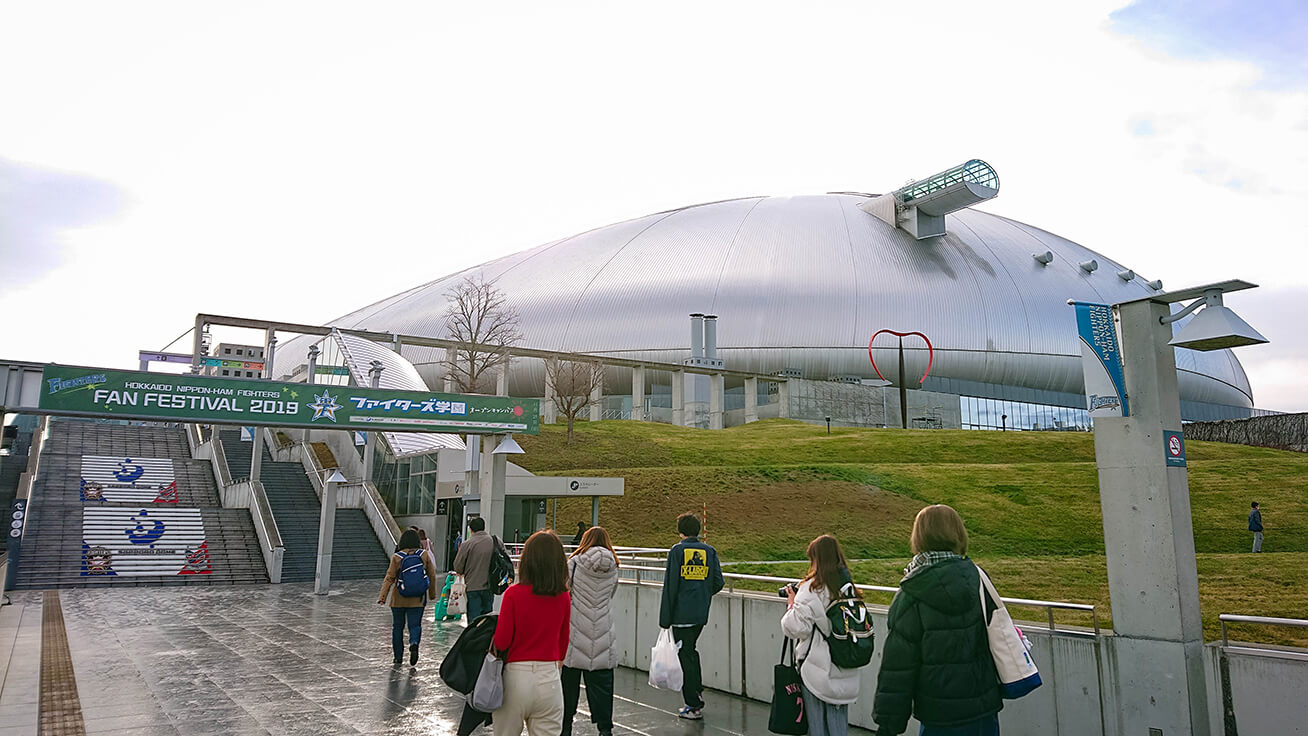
x: 1030, y: 500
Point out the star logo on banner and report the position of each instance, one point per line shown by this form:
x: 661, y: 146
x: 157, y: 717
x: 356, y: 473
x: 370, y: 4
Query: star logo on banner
x: 324, y: 405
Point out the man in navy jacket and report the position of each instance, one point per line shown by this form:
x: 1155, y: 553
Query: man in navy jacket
x: 692, y: 578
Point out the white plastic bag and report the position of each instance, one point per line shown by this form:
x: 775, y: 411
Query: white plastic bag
x: 664, y: 667
x: 458, y: 603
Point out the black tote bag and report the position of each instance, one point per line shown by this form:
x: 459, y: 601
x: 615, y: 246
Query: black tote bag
x: 787, y: 716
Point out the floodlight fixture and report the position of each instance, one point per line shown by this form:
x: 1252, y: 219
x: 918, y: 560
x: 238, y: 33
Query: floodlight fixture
x: 1214, y: 326
x: 1089, y: 266
x: 1045, y: 258
x: 508, y: 446
x: 1126, y: 275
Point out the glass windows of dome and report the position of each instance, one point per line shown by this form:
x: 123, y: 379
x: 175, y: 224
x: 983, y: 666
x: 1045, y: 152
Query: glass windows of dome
x: 407, y: 485
x: 997, y: 414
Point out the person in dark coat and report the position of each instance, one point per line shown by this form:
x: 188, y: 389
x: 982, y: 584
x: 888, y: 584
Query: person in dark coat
x: 936, y: 664
x: 581, y: 532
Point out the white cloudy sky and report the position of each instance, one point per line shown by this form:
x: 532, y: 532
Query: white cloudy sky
x: 297, y: 160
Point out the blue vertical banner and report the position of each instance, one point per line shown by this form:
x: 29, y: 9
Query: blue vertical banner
x: 1101, y: 360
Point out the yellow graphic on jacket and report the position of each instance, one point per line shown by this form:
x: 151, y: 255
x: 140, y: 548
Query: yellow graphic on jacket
x: 694, y: 567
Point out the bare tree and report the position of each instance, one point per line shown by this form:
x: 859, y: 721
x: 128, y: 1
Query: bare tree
x: 480, y: 319
x: 574, y: 383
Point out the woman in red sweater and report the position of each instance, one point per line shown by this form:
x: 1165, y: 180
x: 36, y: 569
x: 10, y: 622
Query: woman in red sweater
x: 532, y: 633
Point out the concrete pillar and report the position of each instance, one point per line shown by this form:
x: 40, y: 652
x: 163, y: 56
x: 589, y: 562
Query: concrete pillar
x: 322, y: 576
x: 499, y: 473
x: 717, y: 391
x: 197, y: 352
x: 783, y: 399
x: 256, y: 454
x: 448, y: 385
x: 313, y: 376
x: 594, y: 510
x: 269, y: 349
x: 145, y: 367
x: 370, y: 449
x: 1149, y: 542
x: 502, y: 379
x: 597, y: 398
x: 638, y: 393
x: 751, y: 400
x: 549, y: 409
x: 679, y: 398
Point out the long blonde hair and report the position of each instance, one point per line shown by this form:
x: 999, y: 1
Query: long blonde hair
x: 596, y: 537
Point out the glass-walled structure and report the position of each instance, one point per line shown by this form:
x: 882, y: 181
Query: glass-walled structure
x: 408, y: 485
x: 978, y: 413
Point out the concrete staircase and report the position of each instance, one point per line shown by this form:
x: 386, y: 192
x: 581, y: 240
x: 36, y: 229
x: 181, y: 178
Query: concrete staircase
x: 355, y: 551
x: 52, y: 543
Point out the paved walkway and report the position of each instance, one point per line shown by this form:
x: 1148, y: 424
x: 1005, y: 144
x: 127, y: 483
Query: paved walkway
x: 276, y: 660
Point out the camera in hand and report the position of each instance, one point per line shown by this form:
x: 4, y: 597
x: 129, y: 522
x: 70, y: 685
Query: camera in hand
x: 787, y: 589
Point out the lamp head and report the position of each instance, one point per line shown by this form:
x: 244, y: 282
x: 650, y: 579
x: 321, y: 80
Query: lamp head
x: 1215, y: 327
x: 508, y: 446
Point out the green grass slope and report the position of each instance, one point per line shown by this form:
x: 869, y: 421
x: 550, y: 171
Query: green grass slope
x: 1030, y: 501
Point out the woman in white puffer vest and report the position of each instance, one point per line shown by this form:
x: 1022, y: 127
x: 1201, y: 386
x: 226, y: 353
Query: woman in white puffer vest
x: 592, y: 650
x: 828, y: 689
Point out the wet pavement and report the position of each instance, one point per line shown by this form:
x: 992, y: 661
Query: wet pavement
x: 277, y: 659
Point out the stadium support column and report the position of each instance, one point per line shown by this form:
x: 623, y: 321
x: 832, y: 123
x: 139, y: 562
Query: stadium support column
x: 751, y: 400
x: 783, y: 399
x: 638, y: 393
x: 597, y: 398
x: 197, y: 354
x: 679, y: 398
x: 717, y: 387
x: 322, y: 578
x: 502, y: 379
x: 549, y: 409
x: 1149, y: 540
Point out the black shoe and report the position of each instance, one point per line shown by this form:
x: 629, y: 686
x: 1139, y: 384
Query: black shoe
x: 399, y: 659
x: 413, y: 654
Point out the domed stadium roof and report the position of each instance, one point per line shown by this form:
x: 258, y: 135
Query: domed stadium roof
x: 802, y: 283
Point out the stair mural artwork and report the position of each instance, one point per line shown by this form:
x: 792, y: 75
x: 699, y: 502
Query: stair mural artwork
x: 119, y: 504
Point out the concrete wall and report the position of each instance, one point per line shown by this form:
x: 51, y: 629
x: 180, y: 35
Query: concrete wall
x: 743, y: 639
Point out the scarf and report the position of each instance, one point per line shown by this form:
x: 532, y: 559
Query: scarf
x: 924, y: 560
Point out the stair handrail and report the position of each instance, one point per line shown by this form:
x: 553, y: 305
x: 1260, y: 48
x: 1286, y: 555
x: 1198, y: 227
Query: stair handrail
x: 265, y: 524
x: 374, y: 508
x: 27, y: 478
x: 383, y: 522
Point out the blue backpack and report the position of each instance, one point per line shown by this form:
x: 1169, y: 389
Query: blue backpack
x: 413, y: 581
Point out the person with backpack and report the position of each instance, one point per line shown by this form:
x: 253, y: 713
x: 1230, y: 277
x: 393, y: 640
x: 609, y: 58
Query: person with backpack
x: 410, y: 581
x: 592, y: 641
x: 532, y: 634
x: 693, y: 576
x: 936, y: 664
x: 827, y: 619
x: 473, y: 562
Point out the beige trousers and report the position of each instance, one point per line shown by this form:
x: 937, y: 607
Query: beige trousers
x: 533, y: 694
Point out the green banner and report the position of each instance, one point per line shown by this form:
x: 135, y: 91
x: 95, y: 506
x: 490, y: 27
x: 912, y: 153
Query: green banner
x: 185, y: 398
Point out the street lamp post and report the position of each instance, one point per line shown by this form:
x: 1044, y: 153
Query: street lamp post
x: 1148, y: 534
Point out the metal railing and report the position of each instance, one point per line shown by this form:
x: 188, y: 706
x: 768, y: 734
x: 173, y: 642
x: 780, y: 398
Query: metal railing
x: 633, y: 554
x: 265, y: 524
x: 1233, y: 618
x: 1049, y: 606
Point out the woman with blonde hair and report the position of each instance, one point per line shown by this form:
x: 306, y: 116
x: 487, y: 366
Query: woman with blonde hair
x: 828, y: 689
x: 592, y: 650
x: 936, y: 664
x: 532, y: 635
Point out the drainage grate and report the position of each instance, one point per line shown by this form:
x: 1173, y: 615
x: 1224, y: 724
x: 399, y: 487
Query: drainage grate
x: 61, y: 709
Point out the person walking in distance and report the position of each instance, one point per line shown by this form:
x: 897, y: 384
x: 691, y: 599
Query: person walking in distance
x: 1256, y: 526
x: 828, y: 689
x: 532, y: 632
x: 410, y: 581
x: 592, y: 648
x: 693, y: 576
x: 473, y: 563
x: 936, y: 664
x: 581, y: 532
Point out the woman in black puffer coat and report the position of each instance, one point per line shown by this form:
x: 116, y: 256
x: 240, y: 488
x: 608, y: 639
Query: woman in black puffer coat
x: 936, y: 664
